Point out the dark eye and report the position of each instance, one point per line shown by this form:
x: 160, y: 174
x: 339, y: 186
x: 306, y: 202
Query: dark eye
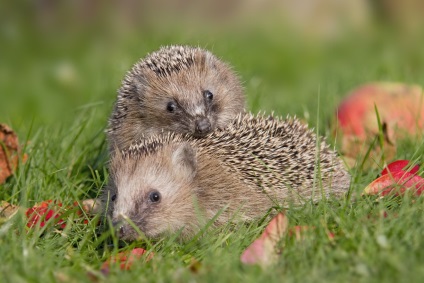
x: 208, y: 95
x: 171, y: 106
x: 113, y: 198
x: 154, y: 196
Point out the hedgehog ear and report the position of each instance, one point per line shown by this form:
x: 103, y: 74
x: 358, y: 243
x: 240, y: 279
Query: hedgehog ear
x: 185, y: 160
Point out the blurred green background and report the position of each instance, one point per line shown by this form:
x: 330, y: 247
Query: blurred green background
x: 65, y: 59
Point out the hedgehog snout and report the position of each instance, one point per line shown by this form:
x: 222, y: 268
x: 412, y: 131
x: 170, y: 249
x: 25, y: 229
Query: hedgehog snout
x: 202, y: 126
x: 124, y: 230
x: 118, y: 226
x: 121, y: 227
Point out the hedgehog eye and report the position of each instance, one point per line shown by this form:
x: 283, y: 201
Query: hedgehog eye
x: 154, y: 196
x: 208, y: 95
x: 171, y: 106
x: 113, y: 198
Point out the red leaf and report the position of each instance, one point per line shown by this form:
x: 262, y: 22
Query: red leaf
x: 263, y: 251
x: 397, y: 183
x: 399, y: 165
x: 44, y: 211
x: 41, y: 213
x: 126, y: 259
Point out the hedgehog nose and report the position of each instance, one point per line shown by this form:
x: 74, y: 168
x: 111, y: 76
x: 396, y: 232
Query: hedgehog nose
x: 203, y: 126
x: 119, y: 228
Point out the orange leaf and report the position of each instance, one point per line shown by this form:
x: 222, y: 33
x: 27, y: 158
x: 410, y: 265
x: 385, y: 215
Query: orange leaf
x: 9, y: 152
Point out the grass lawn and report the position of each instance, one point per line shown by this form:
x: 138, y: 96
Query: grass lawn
x: 57, y: 93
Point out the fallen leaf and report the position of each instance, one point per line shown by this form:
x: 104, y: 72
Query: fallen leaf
x: 41, y: 213
x: 7, y: 210
x: 264, y: 250
x: 126, y: 259
x: 396, y: 184
x: 9, y: 152
x: 400, y: 165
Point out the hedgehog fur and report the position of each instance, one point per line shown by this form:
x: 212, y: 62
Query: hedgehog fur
x: 179, y: 89
x: 162, y: 183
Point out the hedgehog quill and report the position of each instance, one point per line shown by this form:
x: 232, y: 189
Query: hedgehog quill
x: 254, y: 164
x: 179, y: 89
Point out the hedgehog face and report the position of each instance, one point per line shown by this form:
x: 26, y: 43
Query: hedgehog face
x: 154, y: 193
x: 196, y: 100
x: 200, y: 113
x: 176, y: 89
x: 185, y: 109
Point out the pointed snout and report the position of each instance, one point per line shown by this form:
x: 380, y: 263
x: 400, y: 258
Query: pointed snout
x: 118, y: 226
x: 124, y: 228
x: 202, y: 126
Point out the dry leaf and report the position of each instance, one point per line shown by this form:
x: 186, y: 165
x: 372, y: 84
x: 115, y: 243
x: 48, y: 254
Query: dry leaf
x: 9, y: 152
x: 7, y: 210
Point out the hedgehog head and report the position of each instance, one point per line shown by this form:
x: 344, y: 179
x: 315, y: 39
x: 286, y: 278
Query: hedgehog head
x: 177, y: 89
x: 152, y: 187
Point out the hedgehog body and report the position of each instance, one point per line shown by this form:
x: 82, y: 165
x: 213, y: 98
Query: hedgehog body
x: 177, y: 89
x: 172, y: 183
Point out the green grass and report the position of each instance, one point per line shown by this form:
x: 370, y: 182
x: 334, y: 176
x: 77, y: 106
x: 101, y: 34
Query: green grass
x: 57, y: 93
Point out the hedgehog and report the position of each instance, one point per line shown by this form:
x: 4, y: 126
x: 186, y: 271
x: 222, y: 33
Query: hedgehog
x: 181, y: 89
x: 176, y: 183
